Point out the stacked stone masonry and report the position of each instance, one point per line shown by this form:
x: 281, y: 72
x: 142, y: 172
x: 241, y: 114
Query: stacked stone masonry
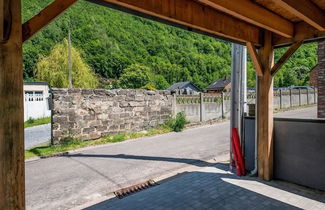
x: 321, y: 79
x: 93, y: 113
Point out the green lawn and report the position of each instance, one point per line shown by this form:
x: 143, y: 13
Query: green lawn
x: 71, y: 144
x: 34, y: 122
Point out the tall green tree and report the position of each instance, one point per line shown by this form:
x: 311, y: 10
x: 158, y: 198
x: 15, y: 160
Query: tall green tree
x: 135, y: 76
x: 54, y: 69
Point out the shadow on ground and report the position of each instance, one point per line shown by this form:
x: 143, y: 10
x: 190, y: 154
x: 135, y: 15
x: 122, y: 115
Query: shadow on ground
x: 189, y: 161
x: 216, y: 188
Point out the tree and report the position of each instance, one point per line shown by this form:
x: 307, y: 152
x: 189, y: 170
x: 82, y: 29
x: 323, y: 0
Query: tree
x: 159, y: 82
x: 135, y: 76
x: 54, y: 69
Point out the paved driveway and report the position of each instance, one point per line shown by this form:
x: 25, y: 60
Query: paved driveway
x: 64, y: 182
x: 37, y: 135
x: 216, y: 188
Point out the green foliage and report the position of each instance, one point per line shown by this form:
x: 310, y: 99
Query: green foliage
x: 30, y: 120
x: 159, y: 82
x: 54, y: 69
x: 110, y: 41
x: 135, y: 76
x: 178, y: 123
x: 148, y: 87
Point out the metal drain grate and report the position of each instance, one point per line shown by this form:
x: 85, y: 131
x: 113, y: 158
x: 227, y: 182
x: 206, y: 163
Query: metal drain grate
x: 134, y: 188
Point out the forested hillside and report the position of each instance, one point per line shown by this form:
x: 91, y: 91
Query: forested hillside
x: 110, y: 42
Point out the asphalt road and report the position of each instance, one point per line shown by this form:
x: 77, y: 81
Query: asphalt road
x: 64, y: 182
x: 309, y: 113
x: 37, y: 135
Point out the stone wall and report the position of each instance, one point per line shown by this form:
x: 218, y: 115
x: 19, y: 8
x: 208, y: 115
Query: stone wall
x: 90, y: 114
x: 321, y: 79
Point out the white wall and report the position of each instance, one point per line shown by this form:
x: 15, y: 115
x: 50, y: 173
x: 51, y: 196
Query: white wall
x: 36, y: 101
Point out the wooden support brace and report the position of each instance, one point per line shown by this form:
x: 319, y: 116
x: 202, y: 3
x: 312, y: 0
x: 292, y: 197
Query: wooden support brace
x: 292, y: 49
x: 43, y: 18
x: 12, y: 180
x: 255, y: 58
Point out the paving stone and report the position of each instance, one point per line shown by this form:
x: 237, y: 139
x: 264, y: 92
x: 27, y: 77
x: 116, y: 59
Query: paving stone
x: 216, y: 191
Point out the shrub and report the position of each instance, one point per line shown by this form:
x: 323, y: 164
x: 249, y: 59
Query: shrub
x: 178, y: 123
x: 148, y: 87
x: 30, y: 120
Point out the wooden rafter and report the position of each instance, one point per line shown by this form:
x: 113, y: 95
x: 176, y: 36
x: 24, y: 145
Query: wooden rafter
x: 292, y: 49
x: 43, y: 18
x: 305, y: 10
x: 253, y: 13
x: 194, y: 15
x: 255, y: 58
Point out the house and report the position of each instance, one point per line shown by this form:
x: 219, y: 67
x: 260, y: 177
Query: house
x: 185, y: 87
x: 36, y: 95
x: 219, y: 85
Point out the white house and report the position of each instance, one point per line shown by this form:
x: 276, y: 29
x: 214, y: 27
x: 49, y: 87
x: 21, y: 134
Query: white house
x: 36, y: 95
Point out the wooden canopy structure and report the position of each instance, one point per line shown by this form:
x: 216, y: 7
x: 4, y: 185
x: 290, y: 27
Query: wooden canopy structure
x: 259, y: 24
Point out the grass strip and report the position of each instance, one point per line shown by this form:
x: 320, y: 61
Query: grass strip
x: 35, y: 122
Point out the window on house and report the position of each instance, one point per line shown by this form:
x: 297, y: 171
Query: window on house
x: 34, y: 96
x: 29, y: 95
x: 38, y: 95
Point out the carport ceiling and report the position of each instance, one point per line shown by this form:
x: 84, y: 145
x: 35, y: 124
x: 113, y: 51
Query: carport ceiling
x: 236, y: 20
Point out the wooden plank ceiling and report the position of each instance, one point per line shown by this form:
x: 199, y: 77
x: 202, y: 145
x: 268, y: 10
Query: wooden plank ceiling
x: 290, y: 21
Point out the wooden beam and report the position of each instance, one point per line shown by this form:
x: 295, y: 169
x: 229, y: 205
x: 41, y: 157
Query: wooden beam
x: 265, y: 110
x: 255, y: 58
x: 12, y: 180
x: 292, y: 49
x: 303, y: 31
x: 43, y: 18
x: 194, y: 15
x: 305, y: 10
x: 253, y: 13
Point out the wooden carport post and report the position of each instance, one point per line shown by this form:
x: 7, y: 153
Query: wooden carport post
x: 263, y: 62
x: 12, y: 180
x: 265, y: 110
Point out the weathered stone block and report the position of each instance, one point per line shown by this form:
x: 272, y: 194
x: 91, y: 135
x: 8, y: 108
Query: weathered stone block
x: 101, y: 128
x: 95, y: 123
x: 89, y: 117
x: 113, y: 127
x: 86, y: 92
x: 60, y: 119
x: 88, y: 130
